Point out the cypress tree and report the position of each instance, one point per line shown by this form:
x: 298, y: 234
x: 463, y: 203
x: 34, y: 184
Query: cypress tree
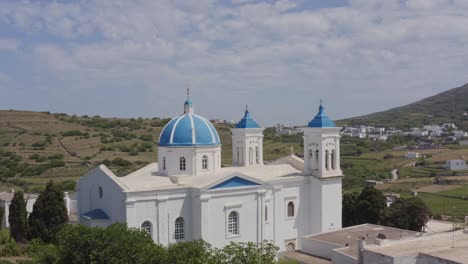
x: 49, y: 213
x: 17, y: 218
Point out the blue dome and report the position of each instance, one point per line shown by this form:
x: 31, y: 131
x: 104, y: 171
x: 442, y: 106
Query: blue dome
x: 189, y: 130
x: 188, y: 102
x: 247, y: 121
x: 321, y: 119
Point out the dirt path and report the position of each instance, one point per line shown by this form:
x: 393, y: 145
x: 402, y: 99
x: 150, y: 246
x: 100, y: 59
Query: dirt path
x: 73, y: 154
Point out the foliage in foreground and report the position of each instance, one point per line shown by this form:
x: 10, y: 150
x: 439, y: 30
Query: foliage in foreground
x: 119, y: 244
x: 17, y: 218
x: 49, y: 213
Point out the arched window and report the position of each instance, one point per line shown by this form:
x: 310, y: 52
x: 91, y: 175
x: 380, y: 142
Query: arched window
x: 146, y: 226
x: 291, y: 246
x: 100, y: 192
x: 204, y: 162
x: 164, y: 163
x: 266, y: 213
x: 182, y: 163
x: 179, y: 229
x: 326, y: 159
x: 238, y: 155
x: 250, y: 155
x: 317, y: 159
x: 290, y: 209
x: 333, y: 159
x: 257, y: 156
x: 233, y: 223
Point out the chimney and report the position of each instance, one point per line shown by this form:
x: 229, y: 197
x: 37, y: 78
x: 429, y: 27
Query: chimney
x: 361, y: 247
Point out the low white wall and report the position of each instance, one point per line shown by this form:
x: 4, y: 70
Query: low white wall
x: 338, y: 257
x: 318, y: 248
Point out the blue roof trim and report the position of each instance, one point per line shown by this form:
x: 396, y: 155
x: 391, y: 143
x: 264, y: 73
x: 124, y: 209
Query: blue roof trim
x: 234, y: 182
x: 96, y: 214
x: 321, y: 119
x: 247, y: 121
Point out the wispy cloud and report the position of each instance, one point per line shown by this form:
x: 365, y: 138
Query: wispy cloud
x: 278, y: 56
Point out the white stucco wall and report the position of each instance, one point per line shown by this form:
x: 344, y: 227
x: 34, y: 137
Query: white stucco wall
x: 112, y: 201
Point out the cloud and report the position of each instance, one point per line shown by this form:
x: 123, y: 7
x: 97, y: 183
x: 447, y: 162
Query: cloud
x: 8, y: 45
x: 279, y: 55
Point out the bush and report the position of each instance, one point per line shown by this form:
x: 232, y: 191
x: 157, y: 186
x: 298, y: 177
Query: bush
x: 121, y: 162
x: 68, y: 185
x: 55, y: 157
x: 73, y: 133
x: 147, y: 137
x: 39, y: 144
x: 388, y: 156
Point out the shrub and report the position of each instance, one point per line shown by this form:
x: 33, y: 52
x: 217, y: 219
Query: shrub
x: 55, y: 157
x: 388, y: 156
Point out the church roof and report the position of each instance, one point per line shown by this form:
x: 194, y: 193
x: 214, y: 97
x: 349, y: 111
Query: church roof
x: 247, y: 121
x: 147, y: 178
x: 321, y: 119
x: 189, y: 129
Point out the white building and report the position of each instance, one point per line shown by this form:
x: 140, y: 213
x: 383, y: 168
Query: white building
x: 413, y: 155
x: 6, y: 197
x: 188, y: 195
x: 455, y: 165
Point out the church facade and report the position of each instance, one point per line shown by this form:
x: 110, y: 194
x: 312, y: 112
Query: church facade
x: 188, y: 195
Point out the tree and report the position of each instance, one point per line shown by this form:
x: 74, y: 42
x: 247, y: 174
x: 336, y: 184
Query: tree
x: 407, y: 213
x: 49, y: 213
x: 349, y: 209
x: 370, y: 205
x: 240, y: 253
x: 196, y: 252
x: 18, y: 217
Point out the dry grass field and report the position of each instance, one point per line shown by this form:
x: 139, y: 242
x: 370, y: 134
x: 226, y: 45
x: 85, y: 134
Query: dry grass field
x: 36, y: 147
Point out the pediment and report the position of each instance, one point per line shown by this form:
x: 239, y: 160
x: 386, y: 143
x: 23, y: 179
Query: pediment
x: 234, y: 181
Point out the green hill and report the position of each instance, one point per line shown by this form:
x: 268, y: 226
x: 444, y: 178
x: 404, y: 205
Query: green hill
x: 448, y: 106
x: 38, y: 146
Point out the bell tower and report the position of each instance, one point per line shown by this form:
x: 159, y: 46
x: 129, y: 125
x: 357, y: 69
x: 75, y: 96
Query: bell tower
x: 247, y: 142
x: 322, y: 147
x: 322, y: 164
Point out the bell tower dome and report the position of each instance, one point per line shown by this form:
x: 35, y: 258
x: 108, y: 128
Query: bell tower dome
x: 247, y: 142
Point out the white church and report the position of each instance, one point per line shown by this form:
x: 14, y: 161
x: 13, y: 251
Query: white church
x: 188, y: 195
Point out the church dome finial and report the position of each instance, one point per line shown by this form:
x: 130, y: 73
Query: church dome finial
x: 188, y: 105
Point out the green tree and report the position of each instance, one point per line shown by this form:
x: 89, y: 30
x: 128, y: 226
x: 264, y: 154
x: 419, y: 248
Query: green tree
x: 249, y: 253
x: 371, y: 204
x: 18, y: 217
x: 407, y: 213
x: 116, y: 244
x: 193, y: 252
x: 49, y: 213
x: 349, y: 209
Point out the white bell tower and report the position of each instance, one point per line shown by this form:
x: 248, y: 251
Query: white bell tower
x: 247, y: 142
x: 322, y: 163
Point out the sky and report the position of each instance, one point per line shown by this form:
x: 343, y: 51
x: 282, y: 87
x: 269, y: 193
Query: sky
x: 124, y: 58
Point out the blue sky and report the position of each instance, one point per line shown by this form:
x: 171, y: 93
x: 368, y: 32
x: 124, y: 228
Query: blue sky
x: 136, y: 58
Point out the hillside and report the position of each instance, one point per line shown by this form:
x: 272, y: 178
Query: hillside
x: 38, y: 146
x: 448, y: 106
